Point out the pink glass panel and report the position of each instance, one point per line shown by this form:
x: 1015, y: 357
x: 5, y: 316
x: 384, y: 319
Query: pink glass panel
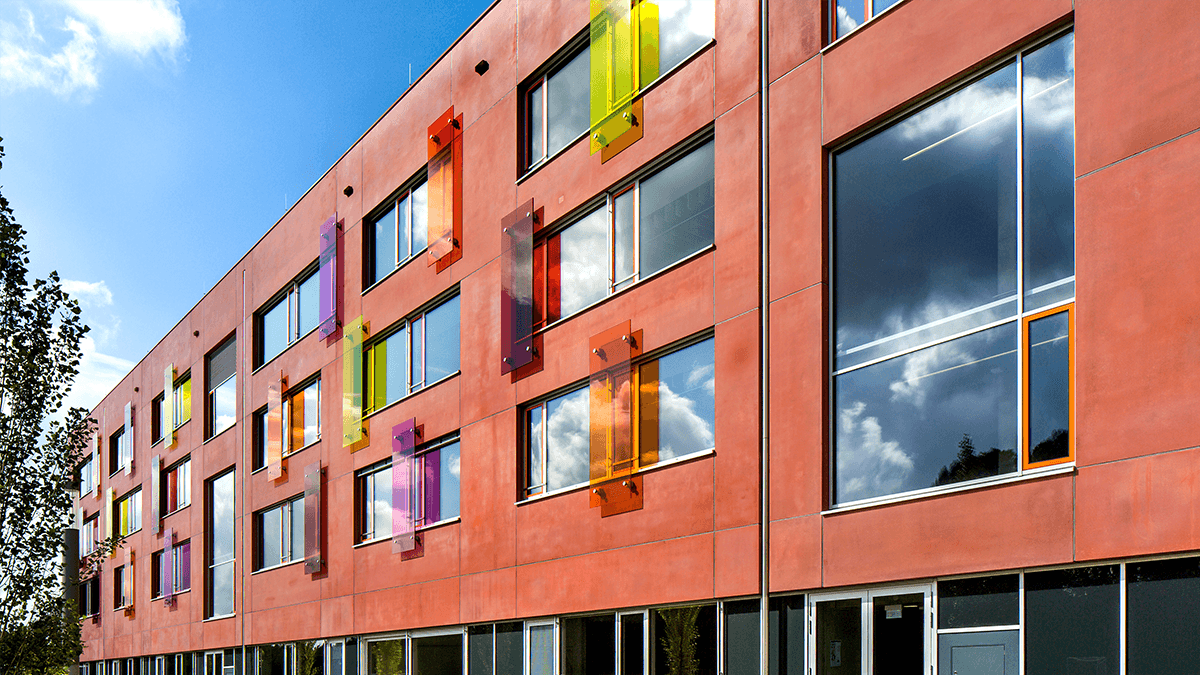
x: 516, y: 289
x: 167, y: 573
x: 312, y: 518
x: 431, y: 476
x: 185, y: 565
x: 327, y: 311
x: 155, y: 492
x: 404, y: 443
x: 274, y: 430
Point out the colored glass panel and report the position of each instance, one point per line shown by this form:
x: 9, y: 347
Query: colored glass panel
x: 327, y: 309
x: 516, y: 289
x: 624, y: 57
x: 127, y: 437
x: 108, y: 516
x: 168, y: 402
x: 312, y: 518
x: 167, y: 560
x: 96, y: 462
x: 377, y: 374
x: 611, y: 444
x: 183, y: 404
x: 155, y: 492
x: 404, y: 443
x: 128, y: 585
x: 444, y: 188
x: 274, y: 430
x: 183, y: 557
x: 1048, y: 393
x: 352, y: 382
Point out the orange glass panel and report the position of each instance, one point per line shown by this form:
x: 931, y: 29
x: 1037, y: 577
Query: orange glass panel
x: 444, y: 190
x: 274, y: 430
x: 647, y: 419
x: 610, y: 426
x: 1048, y: 364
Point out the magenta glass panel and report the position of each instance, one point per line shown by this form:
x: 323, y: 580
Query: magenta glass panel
x: 404, y: 443
x: 155, y: 492
x: 312, y: 518
x: 185, y: 565
x: 327, y: 312
x: 431, y: 476
x: 516, y: 289
x: 167, y: 573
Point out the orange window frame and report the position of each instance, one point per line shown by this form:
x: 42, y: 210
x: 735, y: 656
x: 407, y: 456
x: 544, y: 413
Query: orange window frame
x: 1026, y: 445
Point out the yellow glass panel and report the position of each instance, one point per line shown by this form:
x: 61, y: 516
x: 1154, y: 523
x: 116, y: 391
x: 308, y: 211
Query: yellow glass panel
x: 352, y: 383
x: 624, y: 58
x: 377, y: 375
x: 184, y: 412
x: 648, y: 42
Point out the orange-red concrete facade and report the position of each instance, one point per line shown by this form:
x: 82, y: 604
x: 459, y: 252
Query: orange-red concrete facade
x: 1131, y: 491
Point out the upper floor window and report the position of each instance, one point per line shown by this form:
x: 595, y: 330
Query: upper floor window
x: 399, y: 233
x: 221, y: 553
x: 302, y: 417
x: 156, y: 419
x: 674, y: 408
x: 87, y: 476
x: 181, y: 409
x: 850, y: 14
x: 89, y: 596
x: 435, y: 494
x: 288, y: 317
x: 279, y: 534
x: 176, y: 487
x: 89, y: 535
x: 128, y: 513
x: 122, y: 594
x: 953, y: 277
x: 641, y: 228
x: 221, y: 387
x: 120, y: 453
x: 181, y: 570
x: 418, y: 352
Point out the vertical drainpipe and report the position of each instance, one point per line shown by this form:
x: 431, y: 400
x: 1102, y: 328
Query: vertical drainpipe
x: 764, y: 276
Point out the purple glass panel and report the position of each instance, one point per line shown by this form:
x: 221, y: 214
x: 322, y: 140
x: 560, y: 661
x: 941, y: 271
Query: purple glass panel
x: 312, y: 518
x: 129, y: 436
x: 327, y: 312
x: 516, y: 289
x: 431, y: 470
x: 167, y: 573
x: 185, y: 565
x: 404, y: 443
x: 155, y: 494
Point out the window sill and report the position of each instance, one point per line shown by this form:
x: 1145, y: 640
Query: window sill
x: 423, y: 528
x: 176, y: 594
x: 650, y: 469
x: 218, y: 434
x: 403, y: 263
x: 678, y: 263
x: 277, y: 567
x: 176, y: 510
x: 860, y: 26
x: 934, y: 492
x: 285, y: 350
x: 408, y: 396
x: 219, y: 618
x: 290, y: 454
x: 538, y: 165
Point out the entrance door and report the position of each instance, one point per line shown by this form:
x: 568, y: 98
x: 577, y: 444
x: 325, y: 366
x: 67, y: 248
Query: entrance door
x: 877, y: 632
x: 985, y: 653
x: 213, y: 663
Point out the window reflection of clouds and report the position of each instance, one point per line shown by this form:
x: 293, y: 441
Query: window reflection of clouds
x: 567, y: 440
x: 567, y: 103
x: 448, y: 487
x: 902, y: 420
x: 584, y: 262
x: 846, y: 22
x: 684, y: 27
x: 686, y: 406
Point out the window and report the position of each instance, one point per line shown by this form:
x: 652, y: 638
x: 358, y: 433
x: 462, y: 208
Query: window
x: 421, y: 351
x: 222, y: 387
x: 276, y: 659
x: 279, y: 534
x: 176, y: 487
x: 181, y: 570
x: 129, y: 513
x: 288, y: 317
x: 182, y: 407
x: 89, y: 596
x: 89, y: 535
x: 121, y: 594
x: 156, y: 419
x: 850, y: 14
x: 302, y: 418
x: 87, y: 476
x: 386, y: 656
x: 675, y: 404
x: 119, y: 452
x: 221, y: 551
x: 645, y: 227
x: 435, y: 498
x: 556, y: 106
x: 495, y: 649
x: 953, y: 288
x: 399, y: 233
x: 885, y: 629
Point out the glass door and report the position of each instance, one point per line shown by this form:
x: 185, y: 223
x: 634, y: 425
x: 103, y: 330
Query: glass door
x: 875, y: 632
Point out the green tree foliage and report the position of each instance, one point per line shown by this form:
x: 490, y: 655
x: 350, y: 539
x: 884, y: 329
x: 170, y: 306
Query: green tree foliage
x: 40, y: 333
x: 679, y: 640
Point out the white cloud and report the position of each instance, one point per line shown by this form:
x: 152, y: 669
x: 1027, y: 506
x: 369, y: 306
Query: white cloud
x: 98, y: 374
x: 96, y: 28
x: 680, y: 430
x: 89, y: 293
x: 867, y: 465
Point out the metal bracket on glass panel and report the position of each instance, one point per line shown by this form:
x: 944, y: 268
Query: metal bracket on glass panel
x: 327, y: 310
x: 612, y: 453
x: 444, y: 190
x: 516, y: 289
x: 313, y: 563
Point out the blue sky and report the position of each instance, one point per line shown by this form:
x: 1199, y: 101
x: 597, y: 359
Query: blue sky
x: 149, y: 143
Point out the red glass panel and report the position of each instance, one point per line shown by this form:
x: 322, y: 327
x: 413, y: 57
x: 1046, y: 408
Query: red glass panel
x: 327, y: 310
x: 173, y: 490
x: 312, y: 518
x: 516, y: 289
x: 404, y: 443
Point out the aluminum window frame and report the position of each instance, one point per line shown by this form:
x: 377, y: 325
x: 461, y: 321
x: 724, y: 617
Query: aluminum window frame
x: 288, y: 552
x: 289, y: 400
x: 406, y: 324
x: 391, y: 204
x: 289, y: 294
x: 365, y: 493
x: 166, y: 486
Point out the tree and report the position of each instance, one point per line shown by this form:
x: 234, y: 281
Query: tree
x: 40, y: 334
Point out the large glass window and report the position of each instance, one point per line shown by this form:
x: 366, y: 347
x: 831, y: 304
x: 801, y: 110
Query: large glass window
x: 302, y: 417
x: 399, y: 233
x: 221, y: 387
x: 953, y: 286
x: 288, y: 317
x: 87, y: 477
x: 89, y: 535
x: 1163, y: 601
x: 120, y: 454
x: 1086, y: 599
x: 176, y: 487
x: 386, y: 657
x: 557, y: 106
x: 128, y: 513
x: 279, y: 534
x: 644, y: 226
x: 675, y: 411
x: 181, y: 570
x: 221, y: 553
x: 420, y: 351
x: 436, y: 479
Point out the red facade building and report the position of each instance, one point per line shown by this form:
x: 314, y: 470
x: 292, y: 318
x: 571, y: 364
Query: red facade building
x: 499, y: 393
